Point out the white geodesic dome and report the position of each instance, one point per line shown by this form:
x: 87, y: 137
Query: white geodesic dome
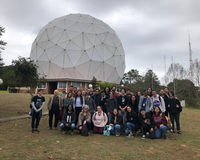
x: 79, y: 46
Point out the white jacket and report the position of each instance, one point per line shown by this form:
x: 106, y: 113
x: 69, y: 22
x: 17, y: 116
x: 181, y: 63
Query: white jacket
x: 162, y: 103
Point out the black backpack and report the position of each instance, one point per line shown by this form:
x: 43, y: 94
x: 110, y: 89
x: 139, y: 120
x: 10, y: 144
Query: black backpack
x: 85, y: 130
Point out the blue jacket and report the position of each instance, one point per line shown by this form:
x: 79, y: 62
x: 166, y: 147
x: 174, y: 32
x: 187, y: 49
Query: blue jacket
x: 148, y: 104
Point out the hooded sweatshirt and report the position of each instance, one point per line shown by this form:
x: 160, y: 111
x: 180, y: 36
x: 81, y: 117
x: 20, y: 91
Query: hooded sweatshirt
x: 158, y: 102
x: 111, y: 104
x: 99, y: 120
x: 159, y: 119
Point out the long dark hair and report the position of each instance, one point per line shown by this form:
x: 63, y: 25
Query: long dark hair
x: 132, y: 111
x: 113, y: 116
x: 159, y: 110
x: 68, y: 108
x: 80, y: 97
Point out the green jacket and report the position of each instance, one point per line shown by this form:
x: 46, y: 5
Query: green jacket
x: 49, y: 105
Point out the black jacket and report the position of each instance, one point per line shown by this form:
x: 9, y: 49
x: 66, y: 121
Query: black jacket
x: 122, y: 104
x: 111, y: 104
x: 173, y: 109
x: 73, y: 118
x: 150, y: 121
x: 131, y: 118
x: 119, y: 120
x: 102, y: 103
x: 134, y: 106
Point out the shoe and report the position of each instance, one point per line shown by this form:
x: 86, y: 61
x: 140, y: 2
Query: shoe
x: 179, y: 132
x: 117, y: 135
x: 166, y: 138
x: 129, y: 136
x: 49, y: 128
x: 72, y: 132
x: 55, y: 128
x: 143, y: 137
x: 134, y: 134
x: 167, y: 131
x: 147, y: 133
x: 172, y: 131
x: 33, y: 130
x: 36, y: 130
x: 65, y: 132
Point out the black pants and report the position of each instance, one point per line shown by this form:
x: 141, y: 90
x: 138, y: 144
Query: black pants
x: 167, y: 112
x: 51, y: 113
x: 78, y: 110
x: 36, y: 117
x: 146, y: 129
x: 176, y: 118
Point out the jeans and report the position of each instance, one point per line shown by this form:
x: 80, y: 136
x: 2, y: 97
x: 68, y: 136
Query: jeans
x: 123, y: 114
x: 64, y: 128
x: 35, y: 116
x: 115, y: 129
x: 88, y: 125
x: 51, y: 113
x: 109, y: 118
x: 160, y: 131
x: 130, y: 128
x: 176, y: 118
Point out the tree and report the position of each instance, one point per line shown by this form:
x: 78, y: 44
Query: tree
x: 102, y: 85
x: 94, y: 83
x: 131, y: 77
x: 2, y: 44
x: 25, y: 71
x: 195, y: 72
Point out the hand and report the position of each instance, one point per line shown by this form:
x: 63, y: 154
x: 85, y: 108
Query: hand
x: 36, y: 110
x: 101, y: 99
x: 108, y: 113
x: 177, y: 106
x: 94, y: 111
x: 110, y: 124
x: 105, y: 104
x: 123, y: 110
x: 156, y: 127
x: 84, y: 122
x: 168, y: 105
x: 176, y: 97
x: 161, y: 125
x: 151, y: 130
x: 145, y: 121
x: 67, y: 125
x: 80, y: 128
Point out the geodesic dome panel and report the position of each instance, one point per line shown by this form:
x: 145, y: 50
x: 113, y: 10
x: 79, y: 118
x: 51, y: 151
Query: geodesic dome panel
x: 79, y: 46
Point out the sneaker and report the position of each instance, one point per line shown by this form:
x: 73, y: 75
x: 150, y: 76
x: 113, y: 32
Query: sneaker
x: 166, y: 138
x: 147, y: 133
x: 33, y: 130
x: 129, y: 136
x: 167, y: 131
x: 72, y: 132
x: 36, y: 130
x: 134, y: 134
x: 117, y: 135
x: 172, y: 131
x: 65, y: 132
x: 143, y: 137
x: 179, y: 132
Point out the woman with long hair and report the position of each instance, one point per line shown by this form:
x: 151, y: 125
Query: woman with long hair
x: 116, y: 122
x: 68, y: 101
x: 79, y: 101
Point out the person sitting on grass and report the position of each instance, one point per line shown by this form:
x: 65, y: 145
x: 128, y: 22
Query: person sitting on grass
x: 68, y: 120
x: 131, y: 122
x: 160, y: 123
x: 116, y: 122
x: 68, y: 101
x: 147, y: 123
x: 84, y: 118
x: 37, y: 105
x: 100, y: 120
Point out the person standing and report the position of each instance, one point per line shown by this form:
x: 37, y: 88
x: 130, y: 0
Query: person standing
x: 102, y: 102
x: 79, y: 101
x: 166, y: 97
x: 54, y: 106
x: 107, y: 92
x: 113, y: 90
x: 174, y: 110
x: 138, y: 95
x: 149, y: 92
x: 96, y: 97
x: 111, y: 104
x: 69, y: 100
x: 157, y: 102
x: 122, y: 103
x: 134, y: 105
x: 145, y: 102
x: 37, y: 105
x: 64, y: 93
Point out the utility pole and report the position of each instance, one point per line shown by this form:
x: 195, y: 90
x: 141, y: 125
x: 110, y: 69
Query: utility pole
x: 165, y: 64
x: 174, y: 76
x: 190, y: 55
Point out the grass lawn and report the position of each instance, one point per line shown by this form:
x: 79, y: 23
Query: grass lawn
x: 3, y: 91
x: 17, y: 142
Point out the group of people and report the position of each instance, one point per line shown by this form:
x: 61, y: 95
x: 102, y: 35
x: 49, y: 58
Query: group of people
x: 80, y: 109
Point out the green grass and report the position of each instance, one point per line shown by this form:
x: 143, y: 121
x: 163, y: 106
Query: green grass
x: 3, y: 91
x: 17, y: 142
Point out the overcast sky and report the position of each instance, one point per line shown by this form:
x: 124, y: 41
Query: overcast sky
x: 148, y: 29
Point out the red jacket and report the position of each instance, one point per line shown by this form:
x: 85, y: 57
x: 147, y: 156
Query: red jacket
x: 159, y: 119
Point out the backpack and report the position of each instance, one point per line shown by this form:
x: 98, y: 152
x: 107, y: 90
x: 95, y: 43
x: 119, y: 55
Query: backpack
x: 106, y: 131
x: 85, y: 130
x: 96, y: 114
x: 169, y: 124
x: 30, y: 106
